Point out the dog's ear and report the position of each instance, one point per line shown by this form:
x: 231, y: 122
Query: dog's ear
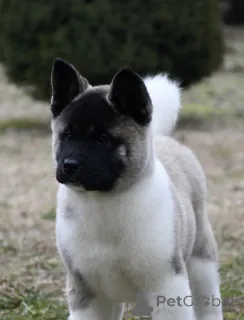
x: 66, y: 83
x: 129, y: 96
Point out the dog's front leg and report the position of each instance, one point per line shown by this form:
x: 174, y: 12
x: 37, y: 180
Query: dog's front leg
x: 85, y: 305
x: 174, y: 301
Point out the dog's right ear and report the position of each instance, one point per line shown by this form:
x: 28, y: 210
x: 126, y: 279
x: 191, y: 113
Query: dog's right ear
x: 129, y: 96
x: 66, y: 84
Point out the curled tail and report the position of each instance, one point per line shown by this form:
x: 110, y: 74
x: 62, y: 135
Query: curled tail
x: 165, y: 96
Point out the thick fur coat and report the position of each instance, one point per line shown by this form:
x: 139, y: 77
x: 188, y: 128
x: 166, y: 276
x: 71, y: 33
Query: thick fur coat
x: 131, y: 212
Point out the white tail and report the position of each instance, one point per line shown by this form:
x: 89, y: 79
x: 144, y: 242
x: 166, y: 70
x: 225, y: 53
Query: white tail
x: 165, y: 96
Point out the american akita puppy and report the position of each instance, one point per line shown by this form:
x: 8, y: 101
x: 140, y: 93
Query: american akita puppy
x: 131, y: 201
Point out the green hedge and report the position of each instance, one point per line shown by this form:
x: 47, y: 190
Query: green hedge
x: 100, y: 36
x: 235, y: 13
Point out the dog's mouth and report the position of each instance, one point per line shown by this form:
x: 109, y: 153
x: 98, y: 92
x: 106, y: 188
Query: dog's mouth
x: 83, y: 180
x: 69, y: 180
x: 64, y: 178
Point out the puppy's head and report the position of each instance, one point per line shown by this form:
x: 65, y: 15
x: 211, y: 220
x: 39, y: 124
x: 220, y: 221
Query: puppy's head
x: 100, y: 134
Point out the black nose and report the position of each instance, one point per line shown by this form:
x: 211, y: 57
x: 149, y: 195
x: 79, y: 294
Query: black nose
x: 70, y: 165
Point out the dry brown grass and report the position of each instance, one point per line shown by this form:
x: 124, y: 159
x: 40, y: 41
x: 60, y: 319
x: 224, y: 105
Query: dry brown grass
x: 15, y: 103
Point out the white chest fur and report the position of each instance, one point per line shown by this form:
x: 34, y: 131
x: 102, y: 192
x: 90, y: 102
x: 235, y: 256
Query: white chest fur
x: 122, y: 241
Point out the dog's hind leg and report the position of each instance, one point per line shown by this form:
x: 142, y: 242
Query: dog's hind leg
x: 173, y: 301
x: 203, y: 275
x: 204, y: 283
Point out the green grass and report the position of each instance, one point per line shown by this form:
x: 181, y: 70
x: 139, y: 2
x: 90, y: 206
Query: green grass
x: 31, y: 304
x: 232, y: 288
x: 50, y: 215
x: 24, y: 124
x: 197, y: 115
x: 6, y: 247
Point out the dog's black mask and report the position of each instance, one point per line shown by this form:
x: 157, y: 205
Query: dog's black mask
x: 87, y: 154
x: 92, y: 144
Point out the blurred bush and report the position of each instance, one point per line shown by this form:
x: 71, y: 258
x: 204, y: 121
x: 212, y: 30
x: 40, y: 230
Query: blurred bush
x: 100, y: 36
x: 235, y: 12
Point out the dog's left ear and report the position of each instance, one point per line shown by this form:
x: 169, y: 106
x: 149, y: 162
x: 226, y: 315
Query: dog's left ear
x: 66, y: 84
x: 129, y: 96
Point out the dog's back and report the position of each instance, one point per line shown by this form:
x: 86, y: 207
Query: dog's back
x: 186, y: 174
x: 189, y: 190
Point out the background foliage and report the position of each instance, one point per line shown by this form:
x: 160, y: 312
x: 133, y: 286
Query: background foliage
x: 101, y: 36
x: 235, y: 12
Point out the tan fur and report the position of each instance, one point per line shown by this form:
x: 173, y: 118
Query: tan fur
x: 189, y: 191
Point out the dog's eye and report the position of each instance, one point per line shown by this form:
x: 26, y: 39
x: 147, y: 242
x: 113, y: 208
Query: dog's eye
x: 103, y: 138
x: 68, y: 135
